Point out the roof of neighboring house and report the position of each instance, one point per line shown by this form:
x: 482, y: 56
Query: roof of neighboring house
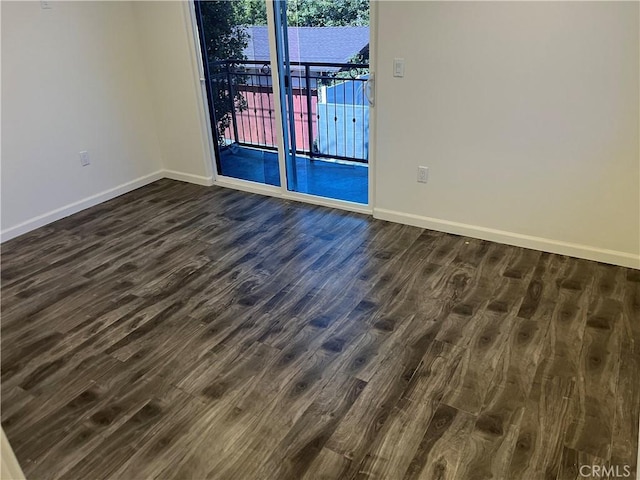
x: 311, y: 44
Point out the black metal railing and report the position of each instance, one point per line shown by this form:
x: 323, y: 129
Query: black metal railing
x: 330, y: 107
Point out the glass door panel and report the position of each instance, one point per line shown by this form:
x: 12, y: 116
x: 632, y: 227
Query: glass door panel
x: 236, y: 56
x: 323, y: 56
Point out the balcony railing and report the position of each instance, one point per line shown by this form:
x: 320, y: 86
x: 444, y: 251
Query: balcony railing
x: 331, y: 110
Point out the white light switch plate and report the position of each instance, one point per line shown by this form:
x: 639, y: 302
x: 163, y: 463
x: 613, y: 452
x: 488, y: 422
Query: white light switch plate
x: 398, y: 67
x: 84, y: 158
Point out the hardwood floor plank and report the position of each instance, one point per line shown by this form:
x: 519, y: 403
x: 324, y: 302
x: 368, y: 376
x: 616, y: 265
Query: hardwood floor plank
x: 594, y: 404
x: 474, y: 373
x: 158, y: 451
x: 631, y: 305
x: 577, y: 465
x: 328, y: 465
x: 515, y: 373
x: 298, y: 449
x: 50, y: 397
x: 13, y: 399
x: 566, y: 334
x: 486, y: 456
x: 115, y: 403
x: 411, y: 416
x: 118, y: 447
x: 52, y: 368
x: 439, y: 453
x: 627, y: 416
x: 488, y: 448
x: 364, y: 421
x: 182, y: 331
x: 538, y: 448
x: 229, y: 369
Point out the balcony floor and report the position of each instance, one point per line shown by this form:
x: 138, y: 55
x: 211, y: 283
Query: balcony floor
x: 315, y: 177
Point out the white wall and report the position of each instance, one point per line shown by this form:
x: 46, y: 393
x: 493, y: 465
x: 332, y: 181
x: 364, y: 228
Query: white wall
x: 167, y: 40
x: 526, y: 114
x: 72, y: 80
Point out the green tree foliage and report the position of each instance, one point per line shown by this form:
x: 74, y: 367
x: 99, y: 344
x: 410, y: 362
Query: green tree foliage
x: 251, y: 12
x: 308, y: 13
x: 224, y: 38
x: 328, y: 13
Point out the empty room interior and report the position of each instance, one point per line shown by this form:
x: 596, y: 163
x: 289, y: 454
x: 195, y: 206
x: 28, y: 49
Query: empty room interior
x: 320, y: 239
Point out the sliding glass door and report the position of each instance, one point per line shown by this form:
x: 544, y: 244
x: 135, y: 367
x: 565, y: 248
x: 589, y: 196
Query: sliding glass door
x: 315, y: 122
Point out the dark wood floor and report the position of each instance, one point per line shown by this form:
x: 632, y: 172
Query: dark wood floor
x: 190, y: 332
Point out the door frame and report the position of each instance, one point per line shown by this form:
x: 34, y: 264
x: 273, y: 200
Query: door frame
x: 282, y: 191
x: 9, y: 466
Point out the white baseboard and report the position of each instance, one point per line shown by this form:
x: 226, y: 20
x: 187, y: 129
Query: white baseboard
x: 273, y: 191
x: 75, y: 207
x: 614, y: 257
x: 188, y: 177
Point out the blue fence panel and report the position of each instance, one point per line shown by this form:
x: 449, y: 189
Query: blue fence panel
x: 349, y: 91
x: 343, y: 129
